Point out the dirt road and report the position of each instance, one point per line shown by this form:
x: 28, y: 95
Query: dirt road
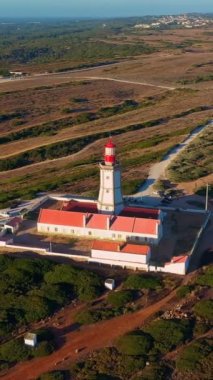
x: 158, y: 169
x: 88, y: 339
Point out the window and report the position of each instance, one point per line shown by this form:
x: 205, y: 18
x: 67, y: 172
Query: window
x: 136, y: 237
x: 107, y: 177
x: 107, y: 190
x: 90, y: 233
x: 56, y: 229
x: 107, y: 208
x: 113, y: 235
x: 72, y: 231
x: 48, y: 228
x: 119, y: 236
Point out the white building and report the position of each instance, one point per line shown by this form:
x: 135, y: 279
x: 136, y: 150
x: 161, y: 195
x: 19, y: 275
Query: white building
x: 106, y: 218
x: 109, y: 283
x: 110, y: 198
x: 30, y: 339
x: 126, y: 255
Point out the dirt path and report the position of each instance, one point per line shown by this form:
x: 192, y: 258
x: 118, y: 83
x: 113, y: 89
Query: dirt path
x: 87, y: 338
x: 129, y: 82
x: 158, y: 169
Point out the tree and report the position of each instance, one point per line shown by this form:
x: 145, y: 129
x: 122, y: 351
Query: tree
x: 37, y: 308
x: 138, y: 281
x: 120, y: 298
x: 14, y: 351
x: 135, y: 344
x: 168, y: 334
x: 204, y: 309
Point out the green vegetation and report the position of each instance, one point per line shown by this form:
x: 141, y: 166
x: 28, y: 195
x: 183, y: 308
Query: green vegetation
x: 108, y: 364
x: 135, y: 344
x: 120, y: 298
x: 168, y: 334
x: 206, y: 279
x: 183, y: 291
x: 198, y: 79
x: 54, y: 375
x: 195, y: 161
x: 74, y: 45
x: 204, y: 309
x: 195, y: 358
x: 117, y: 303
x: 140, y: 281
x: 5, y: 73
x: 64, y: 148
x: 15, y: 350
x: 33, y: 289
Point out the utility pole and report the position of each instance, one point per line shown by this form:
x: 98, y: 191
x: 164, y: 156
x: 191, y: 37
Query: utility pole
x: 207, y: 196
x: 50, y: 249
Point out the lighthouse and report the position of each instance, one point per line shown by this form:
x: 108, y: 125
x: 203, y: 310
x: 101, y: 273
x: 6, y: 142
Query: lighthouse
x: 110, y: 199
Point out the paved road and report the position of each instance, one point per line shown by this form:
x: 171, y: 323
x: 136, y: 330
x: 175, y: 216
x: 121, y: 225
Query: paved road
x: 157, y: 170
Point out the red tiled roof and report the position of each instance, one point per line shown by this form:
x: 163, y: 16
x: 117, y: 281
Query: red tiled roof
x: 122, y: 223
x: 97, y: 221
x: 61, y: 218
x: 121, y: 248
x: 147, y: 226
x: 140, y: 212
x: 177, y: 260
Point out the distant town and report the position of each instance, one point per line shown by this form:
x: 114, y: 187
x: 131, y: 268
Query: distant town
x: 182, y: 21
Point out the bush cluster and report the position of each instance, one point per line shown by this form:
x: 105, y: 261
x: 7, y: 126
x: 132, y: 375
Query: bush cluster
x: 31, y: 289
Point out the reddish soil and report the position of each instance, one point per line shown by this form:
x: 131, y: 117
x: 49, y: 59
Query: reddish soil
x: 86, y: 339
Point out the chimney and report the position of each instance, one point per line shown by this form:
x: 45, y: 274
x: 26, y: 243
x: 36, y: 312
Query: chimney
x: 108, y: 223
x: 85, y: 218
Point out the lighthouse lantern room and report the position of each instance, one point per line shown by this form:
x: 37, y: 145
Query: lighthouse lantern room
x: 110, y: 200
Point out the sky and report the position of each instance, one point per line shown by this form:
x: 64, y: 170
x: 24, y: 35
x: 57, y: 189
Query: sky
x: 100, y: 8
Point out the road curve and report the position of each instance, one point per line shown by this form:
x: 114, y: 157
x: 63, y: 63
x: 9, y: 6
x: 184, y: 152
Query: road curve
x: 158, y: 169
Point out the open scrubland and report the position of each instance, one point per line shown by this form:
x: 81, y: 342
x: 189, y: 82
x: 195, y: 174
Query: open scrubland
x: 150, y: 91
x: 53, y: 126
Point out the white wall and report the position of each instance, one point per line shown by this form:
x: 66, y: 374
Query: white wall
x: 176, y: 268
x: 97, y: 233
x: 122, y: 264
x: 120, y: 256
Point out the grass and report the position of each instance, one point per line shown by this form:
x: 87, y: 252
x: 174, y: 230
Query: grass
x: 195, y: 161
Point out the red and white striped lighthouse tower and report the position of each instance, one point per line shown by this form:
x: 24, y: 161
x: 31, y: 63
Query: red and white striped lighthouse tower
x: 110, y: 200
x: 109, y: 156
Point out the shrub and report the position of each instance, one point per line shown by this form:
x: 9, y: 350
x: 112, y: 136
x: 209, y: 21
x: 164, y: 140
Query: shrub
x: 191, y: 357
x: 120, y: 298
x: 183, y: 291
x: 138, y: 281
x: 37, y: 308
x: 85, y: 317
x: 204, y: 309
x: 43, y: 349
x: 168, y: 334
x: 200, y: 328
x: 135, y: 344
x: 14, y: 351
x: 54, y: 375
x: 206, y: 279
